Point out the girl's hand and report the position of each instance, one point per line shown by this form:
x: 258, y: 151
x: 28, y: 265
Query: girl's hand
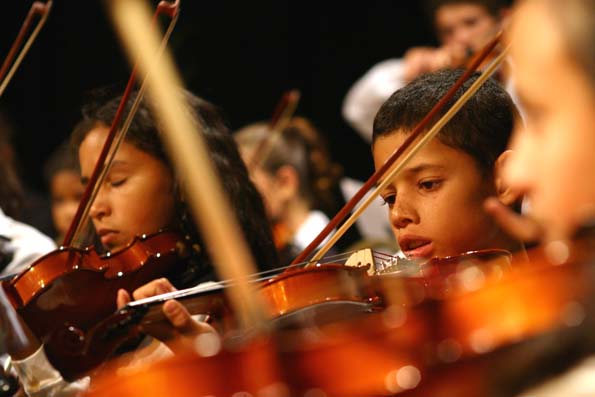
x: 180, y: 330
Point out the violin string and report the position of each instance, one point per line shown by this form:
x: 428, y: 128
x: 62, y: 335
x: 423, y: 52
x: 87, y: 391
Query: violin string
x: 253, y: 278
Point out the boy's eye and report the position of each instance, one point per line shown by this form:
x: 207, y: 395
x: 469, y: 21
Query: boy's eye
x: 430, y: 185
x: 389, y: 200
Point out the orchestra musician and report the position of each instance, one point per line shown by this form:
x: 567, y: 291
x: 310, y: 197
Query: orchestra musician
x: 553, y: 53
x: 552, y: 162
x: 63, y: 178
x: 294, y: 177
x: 462, y: 27
x: 436, y: 204
x: 141, y: 194
x: 301, y: 185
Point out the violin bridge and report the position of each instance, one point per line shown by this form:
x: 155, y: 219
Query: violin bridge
x: 361, y: 258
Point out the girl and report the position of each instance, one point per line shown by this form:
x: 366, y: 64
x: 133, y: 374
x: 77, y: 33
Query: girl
x: 140, y: 195
x: 295, y: 177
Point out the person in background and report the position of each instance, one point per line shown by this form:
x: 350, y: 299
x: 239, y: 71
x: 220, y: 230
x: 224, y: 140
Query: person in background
x: 301, y: 186
x: 463, y: 27
x: 63, y: 178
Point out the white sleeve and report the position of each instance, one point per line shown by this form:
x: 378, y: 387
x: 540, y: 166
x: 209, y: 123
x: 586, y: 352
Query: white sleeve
x: 369, y: 93
x: 26, y: 243
x: 40, y: 379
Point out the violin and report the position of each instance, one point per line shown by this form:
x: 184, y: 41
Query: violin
x: 456, y: 345
x: 66, y: 292
x: 321, y: 294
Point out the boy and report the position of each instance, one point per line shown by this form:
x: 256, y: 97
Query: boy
x: 436, y: 204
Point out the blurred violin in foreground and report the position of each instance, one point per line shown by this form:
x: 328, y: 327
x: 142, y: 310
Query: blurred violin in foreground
x: 487, y: 335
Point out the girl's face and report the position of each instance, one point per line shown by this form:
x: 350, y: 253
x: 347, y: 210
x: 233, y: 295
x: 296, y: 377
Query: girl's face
x: 66, y: 191
x: 137, y: 196
x: 553, y: 163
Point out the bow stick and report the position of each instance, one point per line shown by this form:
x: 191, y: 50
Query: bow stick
x: 183, y: 142
x: 37, y: 8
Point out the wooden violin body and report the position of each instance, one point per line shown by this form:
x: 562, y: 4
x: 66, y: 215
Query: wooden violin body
x: 318, y: 294
x: 312, y: 296
x: 461, y: 344
x: 67, y: 292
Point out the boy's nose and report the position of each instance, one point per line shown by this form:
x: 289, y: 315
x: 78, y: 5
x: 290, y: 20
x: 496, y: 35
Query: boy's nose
x: 402, y: 215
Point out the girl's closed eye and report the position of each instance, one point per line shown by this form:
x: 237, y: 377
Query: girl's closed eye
x: 117, y: 182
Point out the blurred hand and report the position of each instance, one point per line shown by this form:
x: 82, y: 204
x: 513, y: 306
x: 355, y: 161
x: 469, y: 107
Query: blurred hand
x: 421, y: 60
x: 518, y: 226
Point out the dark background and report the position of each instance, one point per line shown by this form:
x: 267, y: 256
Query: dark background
x: 240, y: 55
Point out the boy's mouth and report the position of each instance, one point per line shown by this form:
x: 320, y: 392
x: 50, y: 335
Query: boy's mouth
x: 416, y: 247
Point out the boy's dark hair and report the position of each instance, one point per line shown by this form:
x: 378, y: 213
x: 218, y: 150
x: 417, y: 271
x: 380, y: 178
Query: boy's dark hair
x: 481, y: 128
x: 144, y: 133
x: 492, y: 6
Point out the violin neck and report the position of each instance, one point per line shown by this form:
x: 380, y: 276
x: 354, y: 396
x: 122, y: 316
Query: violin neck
x: 202, y: 299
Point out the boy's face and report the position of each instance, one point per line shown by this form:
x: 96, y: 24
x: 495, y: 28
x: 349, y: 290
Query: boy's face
x: 436, y: 204
x: 554, y: 160
x: 465, y: 24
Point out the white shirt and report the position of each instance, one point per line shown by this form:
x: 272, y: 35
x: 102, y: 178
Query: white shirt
x: 309, y: 229
x: 24, y: 242
x: 366, y: 96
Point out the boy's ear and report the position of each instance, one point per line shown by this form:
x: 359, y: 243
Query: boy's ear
x: 506, y: 195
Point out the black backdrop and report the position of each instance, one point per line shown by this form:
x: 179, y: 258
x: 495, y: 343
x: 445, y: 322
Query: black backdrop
x: 241, y: 55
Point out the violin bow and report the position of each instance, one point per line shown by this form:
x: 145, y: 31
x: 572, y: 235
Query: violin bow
x: 210, y: 207
x: 7, y: 71
x: 282, y: 115
x: 388, y: 164
x: 116, y: 135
